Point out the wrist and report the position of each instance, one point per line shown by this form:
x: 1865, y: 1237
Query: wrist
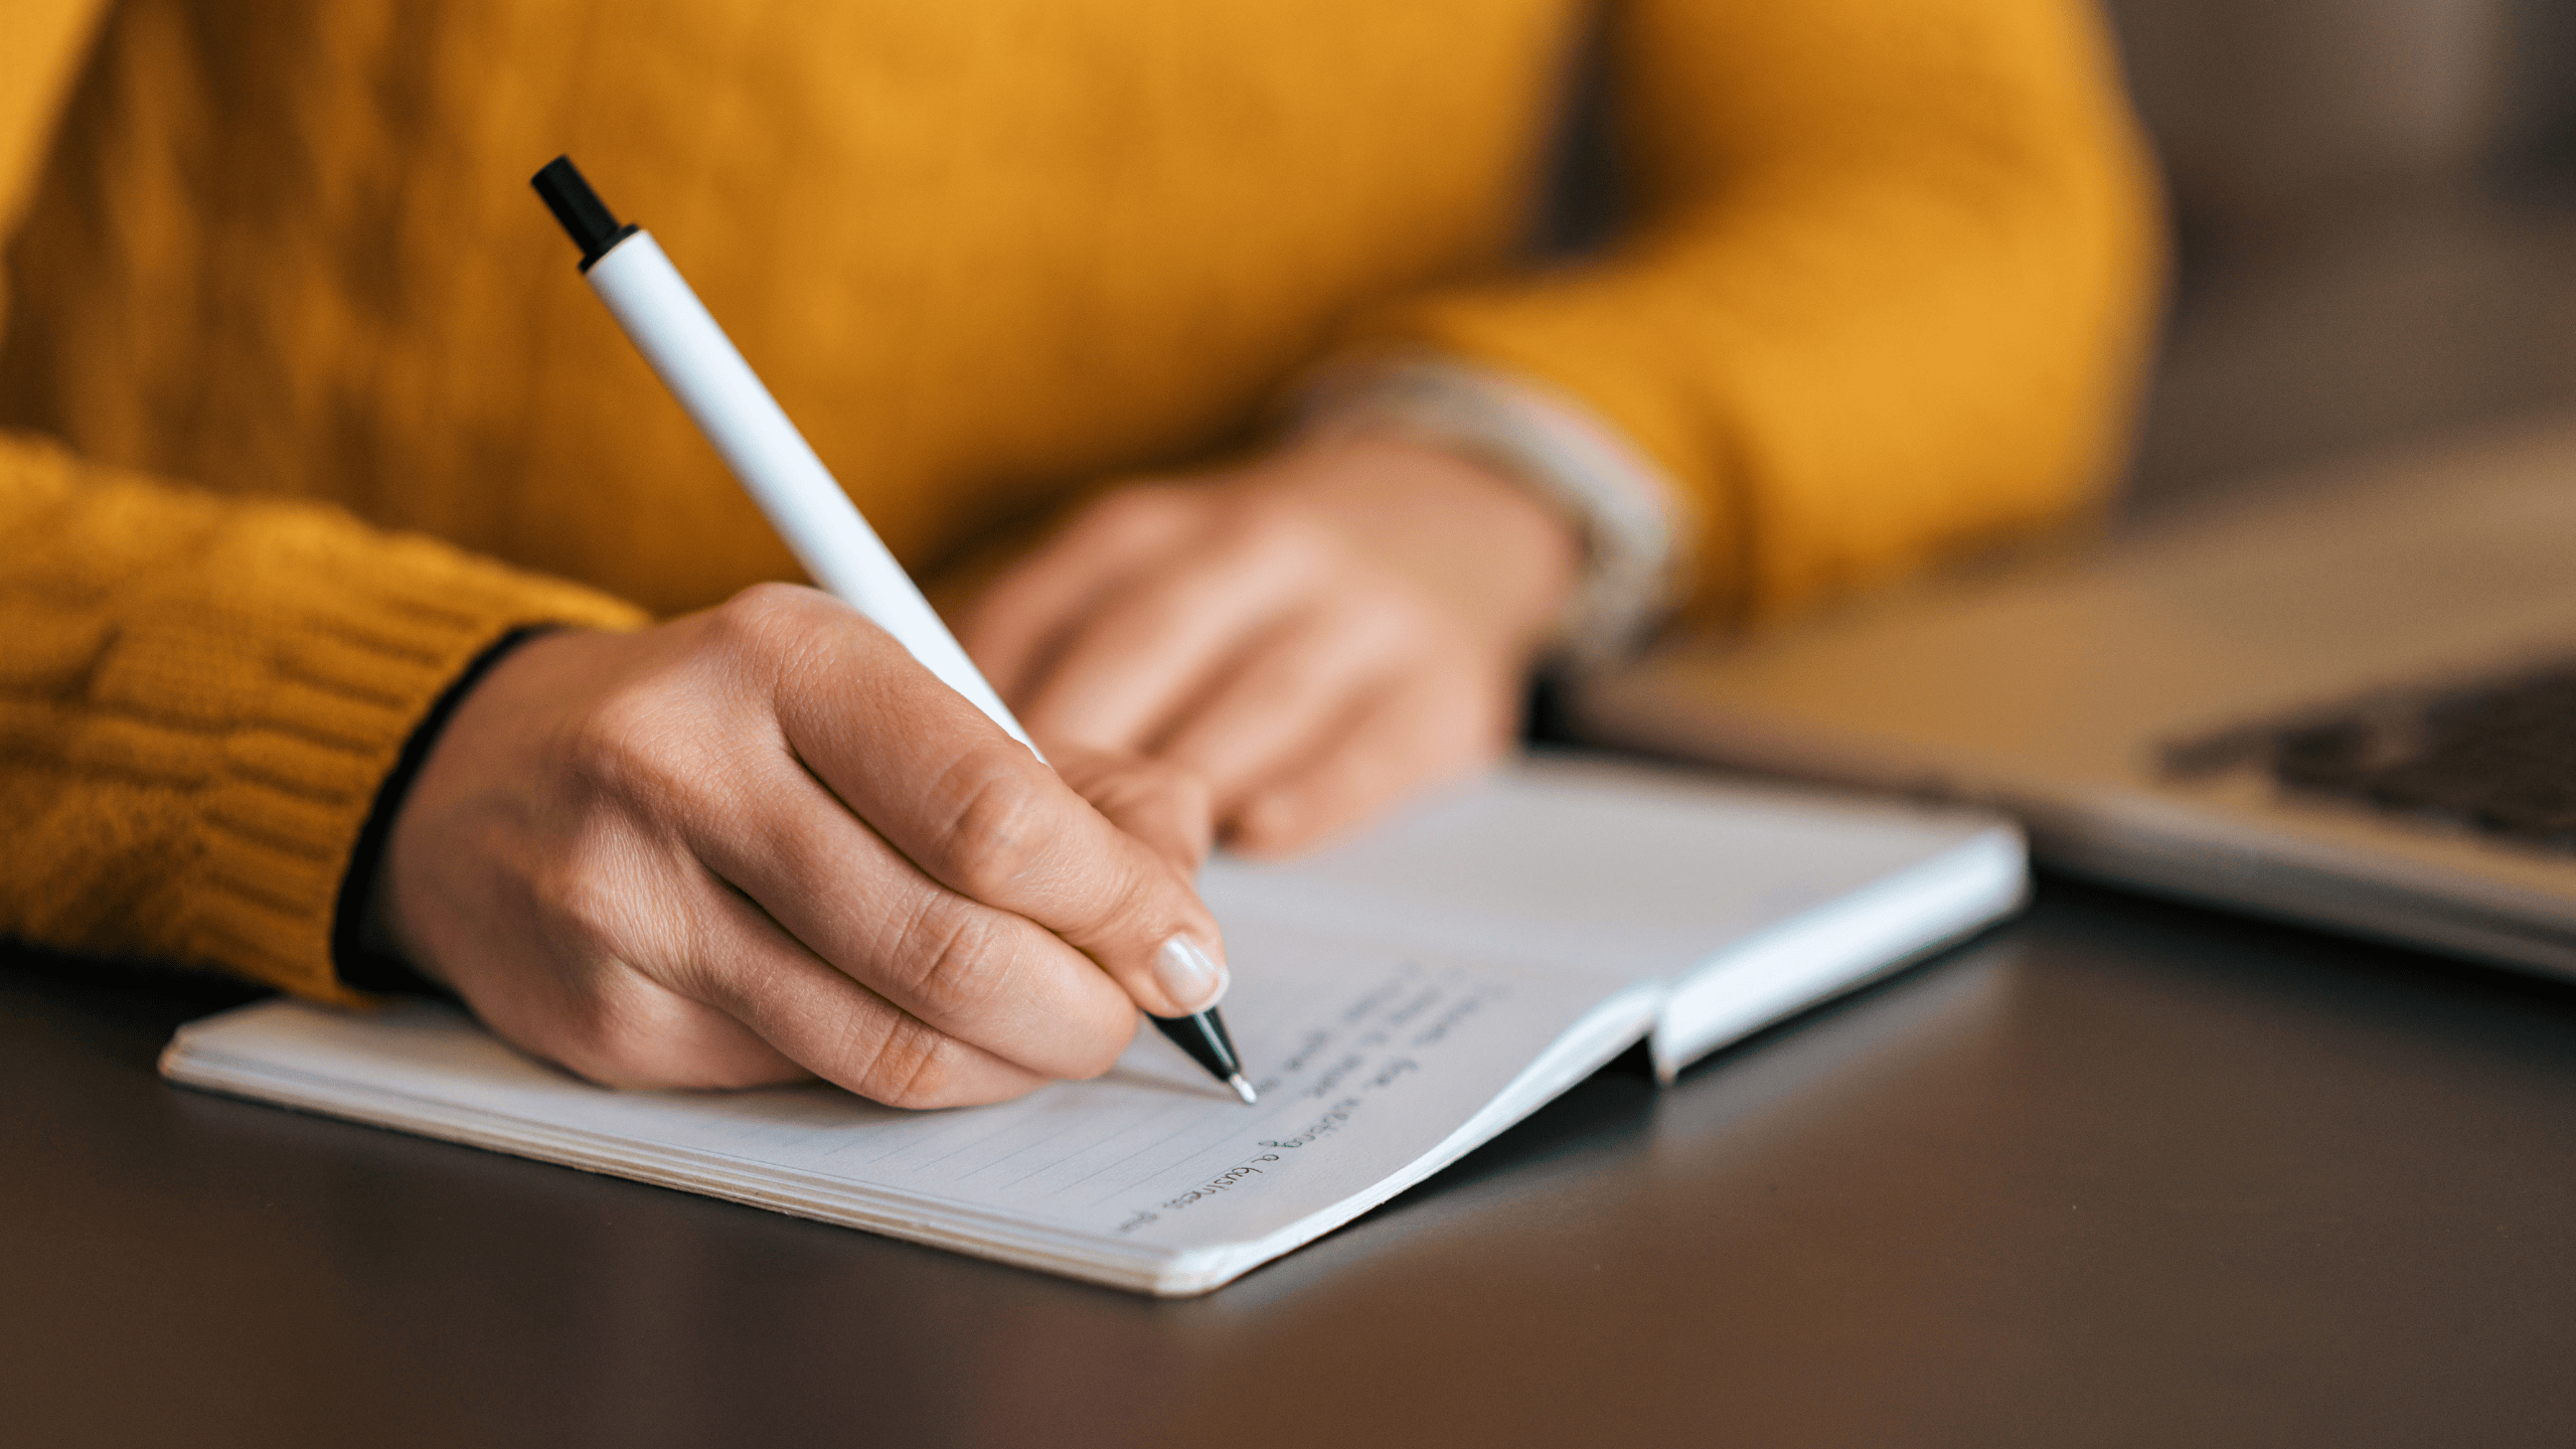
x: 1503, y: 557
x: 1631, y: 522
x: 365, y: 944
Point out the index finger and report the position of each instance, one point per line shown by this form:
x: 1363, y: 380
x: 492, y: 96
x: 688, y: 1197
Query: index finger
x: 980, y: 814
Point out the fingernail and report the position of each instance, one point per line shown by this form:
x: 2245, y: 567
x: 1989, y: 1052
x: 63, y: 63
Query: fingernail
x: 1192, y: 981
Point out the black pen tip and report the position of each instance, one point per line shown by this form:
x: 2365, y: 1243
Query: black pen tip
x: 1204, y: 1037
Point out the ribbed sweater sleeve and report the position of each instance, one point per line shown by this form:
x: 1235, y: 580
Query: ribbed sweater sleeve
x: 198, y: 700
x: 1883, y: 284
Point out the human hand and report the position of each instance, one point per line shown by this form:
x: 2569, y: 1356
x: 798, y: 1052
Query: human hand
x: 1314, y: 635
x: 763, y: 842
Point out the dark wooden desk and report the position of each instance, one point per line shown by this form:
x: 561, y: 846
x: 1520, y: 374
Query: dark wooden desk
x: 2120, y: 1173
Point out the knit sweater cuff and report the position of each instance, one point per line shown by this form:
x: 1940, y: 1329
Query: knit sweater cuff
x: 349, y: 678
x: 1633, y: 520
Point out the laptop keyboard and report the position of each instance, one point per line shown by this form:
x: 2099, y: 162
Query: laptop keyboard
x: 2497, y: 758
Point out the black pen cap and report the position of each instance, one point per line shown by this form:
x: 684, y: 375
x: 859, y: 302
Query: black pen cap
x: 585, y: 218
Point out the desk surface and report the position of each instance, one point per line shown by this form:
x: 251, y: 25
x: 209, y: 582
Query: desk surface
x: 2120, y: 1173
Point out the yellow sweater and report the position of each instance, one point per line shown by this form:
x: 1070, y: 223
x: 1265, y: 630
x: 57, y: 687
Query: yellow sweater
x: 307, y: 406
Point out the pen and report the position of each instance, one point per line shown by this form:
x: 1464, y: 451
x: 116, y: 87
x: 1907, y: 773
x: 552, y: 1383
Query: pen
x: 693, y: 357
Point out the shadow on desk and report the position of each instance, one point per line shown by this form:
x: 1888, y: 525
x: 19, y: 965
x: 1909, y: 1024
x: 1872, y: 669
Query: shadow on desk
x: 2122, y: 1172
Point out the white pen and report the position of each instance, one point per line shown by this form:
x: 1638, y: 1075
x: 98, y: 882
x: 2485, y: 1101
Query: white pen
x: 702, y: 368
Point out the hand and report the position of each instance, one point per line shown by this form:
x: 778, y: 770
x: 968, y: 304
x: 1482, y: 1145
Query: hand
x: 1315, y: 635
x: 762, y: 842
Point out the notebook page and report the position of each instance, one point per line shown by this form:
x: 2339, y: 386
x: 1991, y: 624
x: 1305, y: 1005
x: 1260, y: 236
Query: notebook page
x: 1366, y: 1059
x: 1633, y: 873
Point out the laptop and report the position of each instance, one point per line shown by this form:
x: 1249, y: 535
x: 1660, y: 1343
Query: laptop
x: 2346, y: 697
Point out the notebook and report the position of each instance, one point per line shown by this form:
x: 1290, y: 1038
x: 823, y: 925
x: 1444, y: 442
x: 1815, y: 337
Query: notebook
x: 1397, y: 1001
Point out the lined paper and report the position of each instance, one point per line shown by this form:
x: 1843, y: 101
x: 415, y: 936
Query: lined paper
x: 1365, y: 1060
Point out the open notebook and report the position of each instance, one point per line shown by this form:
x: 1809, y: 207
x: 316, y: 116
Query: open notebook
x: 1397, y: 1001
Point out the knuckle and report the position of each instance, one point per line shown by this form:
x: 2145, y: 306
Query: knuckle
x: 763, y: 609
x: 951, y: 959
x: 1160, y: 613
x: 1280, y: 532
x: 999, y: 831
x: 1386, y: 618
x: 749, y: 620
x: 659, y: 747
x: 769, y: 629
x: 618, y: 1035
x: 1140, y: 508
x: 579, y: 896
x: 633, y: 744
x: 913, y: 1066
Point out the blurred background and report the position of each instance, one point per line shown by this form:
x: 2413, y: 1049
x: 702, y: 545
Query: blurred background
x: 2376, y: 213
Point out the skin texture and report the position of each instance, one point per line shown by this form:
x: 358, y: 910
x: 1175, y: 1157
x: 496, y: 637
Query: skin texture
x: 761, y: 842
x: 1314, y: 635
